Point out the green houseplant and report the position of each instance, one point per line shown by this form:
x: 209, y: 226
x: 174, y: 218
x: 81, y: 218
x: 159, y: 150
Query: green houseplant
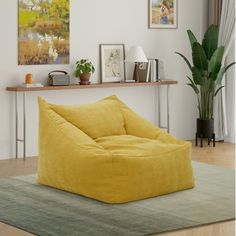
x: 207, y: 73
x: 83, y: 71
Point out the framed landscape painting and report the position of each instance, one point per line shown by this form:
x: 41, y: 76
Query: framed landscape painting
x: 112, y: 64
x: 163, y: 14
x: 43, y: 32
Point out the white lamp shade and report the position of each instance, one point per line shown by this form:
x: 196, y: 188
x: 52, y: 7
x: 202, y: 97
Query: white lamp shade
x: 136, y: 54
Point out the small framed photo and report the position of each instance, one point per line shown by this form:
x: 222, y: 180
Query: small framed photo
x: 112, y: 64
x: 162, y: 14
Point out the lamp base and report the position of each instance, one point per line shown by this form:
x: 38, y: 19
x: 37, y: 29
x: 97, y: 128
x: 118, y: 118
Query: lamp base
x: 135, y: 75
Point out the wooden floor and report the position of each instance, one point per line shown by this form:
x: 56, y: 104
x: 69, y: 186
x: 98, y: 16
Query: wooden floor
x: 222, y: 155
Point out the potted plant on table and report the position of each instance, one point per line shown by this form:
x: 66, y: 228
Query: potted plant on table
x: 83, y: 71
x: 207, y: 73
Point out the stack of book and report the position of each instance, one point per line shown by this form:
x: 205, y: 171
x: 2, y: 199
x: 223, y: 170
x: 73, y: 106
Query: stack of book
x: 150, y: 71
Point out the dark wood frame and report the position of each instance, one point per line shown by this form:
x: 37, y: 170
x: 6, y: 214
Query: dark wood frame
x: 101, y: 61
x: 164, y: 27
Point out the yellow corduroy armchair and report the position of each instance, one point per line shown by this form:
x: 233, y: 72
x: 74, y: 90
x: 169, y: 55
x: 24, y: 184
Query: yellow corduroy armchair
x: 107, y: 152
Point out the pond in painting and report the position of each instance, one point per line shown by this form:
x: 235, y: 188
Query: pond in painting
x: 43, y: 32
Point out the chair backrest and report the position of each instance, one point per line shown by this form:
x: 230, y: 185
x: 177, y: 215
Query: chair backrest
x: 102, y: 118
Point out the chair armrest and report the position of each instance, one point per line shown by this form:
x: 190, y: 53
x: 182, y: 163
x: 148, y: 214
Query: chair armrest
x: 140, y: 127
x: 167, y: 138
x: 67, y: 154
x: 55, y: 130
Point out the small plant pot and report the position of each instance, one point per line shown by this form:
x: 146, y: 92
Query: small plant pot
x: 84, y: 79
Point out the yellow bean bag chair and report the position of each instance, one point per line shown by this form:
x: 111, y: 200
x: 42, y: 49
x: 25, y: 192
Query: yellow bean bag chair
x: 107, y: 152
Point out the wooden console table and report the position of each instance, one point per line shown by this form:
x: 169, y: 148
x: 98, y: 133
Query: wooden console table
x: 91, y: 86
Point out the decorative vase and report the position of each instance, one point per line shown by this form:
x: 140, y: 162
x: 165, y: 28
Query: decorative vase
x: 205, y: 129
x: 84, y: 79
x: 28, y: 78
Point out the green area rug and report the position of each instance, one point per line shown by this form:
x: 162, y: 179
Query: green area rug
x: 46, y: 211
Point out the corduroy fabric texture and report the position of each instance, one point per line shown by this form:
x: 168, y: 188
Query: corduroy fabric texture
x: 103, y: 118
x: 145, y: 162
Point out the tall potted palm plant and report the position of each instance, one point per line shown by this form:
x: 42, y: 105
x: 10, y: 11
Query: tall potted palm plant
x: 207, y: 73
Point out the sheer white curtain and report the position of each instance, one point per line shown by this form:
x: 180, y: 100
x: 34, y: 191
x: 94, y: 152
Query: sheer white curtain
x: 230, y: 96
x: 226, y: 38
x: 214, y: 12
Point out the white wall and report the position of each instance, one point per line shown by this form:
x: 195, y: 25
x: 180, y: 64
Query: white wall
x: 92, y: 23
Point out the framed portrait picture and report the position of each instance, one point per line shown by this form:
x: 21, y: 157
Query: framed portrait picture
x: 112, y: 64
x: 163, y: 14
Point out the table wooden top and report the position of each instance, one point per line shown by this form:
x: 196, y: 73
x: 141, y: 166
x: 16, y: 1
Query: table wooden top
x: 103, y: 85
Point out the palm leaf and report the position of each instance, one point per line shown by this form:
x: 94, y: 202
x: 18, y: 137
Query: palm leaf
x: 231, y: 64
x: 210, y: 41
x: 218, y: 90
x: 199, y: 57
x: 222, y: 72
x: 197, y: 76
x: 210, y: 84
x: 220, y: 75
x: 215, y: 62
x: 191, y: 81
x: 194, y: 87
x: 191, y: 37
x: 185, y: 59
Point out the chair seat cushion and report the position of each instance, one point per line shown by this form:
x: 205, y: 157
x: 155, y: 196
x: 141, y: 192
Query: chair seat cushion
x: 145, y: 167
x: 133, y: 146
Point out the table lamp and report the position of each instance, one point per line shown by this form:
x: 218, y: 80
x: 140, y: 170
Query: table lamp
x: 136, y: 55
